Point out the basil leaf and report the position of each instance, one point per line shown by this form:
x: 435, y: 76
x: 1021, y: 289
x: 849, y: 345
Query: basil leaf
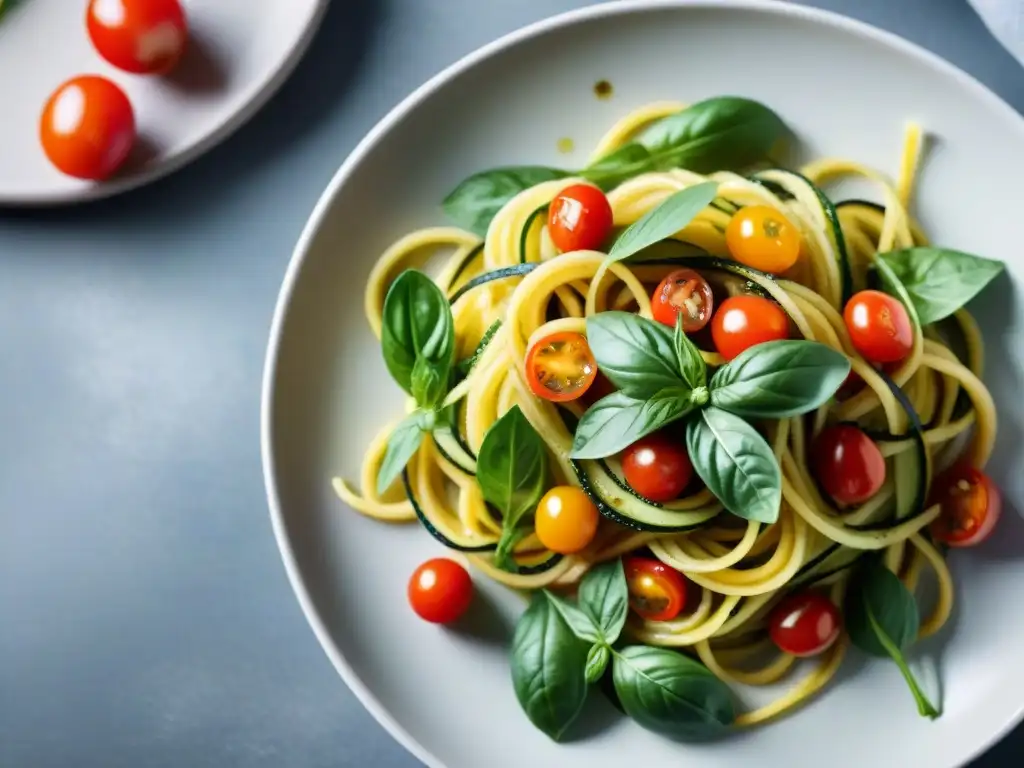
x: 615, y: 422
x: 660, y: 223
x: 548, y: 668
x: 882, y: 619
x: 510, y: 536
x: 428, y: 383
x: 691, y: 363
x: 604, y: 597
x: 779, y: 379
x: 636, y: 354
x: 892, y: 285
x: 417, y: 324
x: 940, y: 281
x: 476, y: 200
x: 614, y: 168
x: 736, y: 464
x: 668, y: 693
x: 597, y: 662
x: 581, y: 624
x: 403, y: 443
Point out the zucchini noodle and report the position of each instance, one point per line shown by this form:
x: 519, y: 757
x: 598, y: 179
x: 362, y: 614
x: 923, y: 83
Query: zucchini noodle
x: 740, y: 569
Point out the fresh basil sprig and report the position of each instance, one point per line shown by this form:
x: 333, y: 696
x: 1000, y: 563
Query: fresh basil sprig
x: 478, y: 199
x: 511, y: 470
x: 403, y: 443
x: 663, y: 221
x: 617, y: 421
x: 636, y: 355
x: 882, y: 619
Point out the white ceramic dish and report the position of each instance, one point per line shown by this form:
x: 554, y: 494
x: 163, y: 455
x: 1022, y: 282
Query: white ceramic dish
x: 240, y: 52
x: 847, y: 89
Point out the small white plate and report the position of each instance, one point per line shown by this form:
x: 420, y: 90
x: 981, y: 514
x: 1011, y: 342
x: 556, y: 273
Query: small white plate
x: 847, y: 89
x: 240, y: 52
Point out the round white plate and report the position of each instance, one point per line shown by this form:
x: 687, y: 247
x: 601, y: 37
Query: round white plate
x: 240, y: 52
x: 847, y: 89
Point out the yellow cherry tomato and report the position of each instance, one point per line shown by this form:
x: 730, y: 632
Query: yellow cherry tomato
x: 763, y: 238
x: 566, y: 519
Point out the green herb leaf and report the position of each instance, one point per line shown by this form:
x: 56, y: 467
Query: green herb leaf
x: 940, y: 281
x: 578, y: 620
x: 736, y: 464
x: 691, y: 363
x: 666, y: 692
x: 597, y: 662
x: 660, y: 223
x: 892, y: 285
x: 604, y: 597
x: 882, y: 619
x: 417, y: 325
x: 403, y: 443
x: 614, y: 168
x: 779, y: 379
x: 548, y: 668
x: 615, y: 422
x: 636, y: 354
x: 429, y: 383
x: 477, y: 199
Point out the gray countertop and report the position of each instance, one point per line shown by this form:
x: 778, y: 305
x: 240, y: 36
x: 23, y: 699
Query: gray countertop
x: 145, y: 618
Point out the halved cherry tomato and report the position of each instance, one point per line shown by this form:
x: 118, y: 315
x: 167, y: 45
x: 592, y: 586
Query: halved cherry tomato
x: 143, y: 37
x: 971, y: 506
x: 879, y: 327
x: 579, y: 219
x: 656, y: 592
x: 804, y: 624
x: 683, y: 292
x: 763, y: 238
x: 560, y: 367
x: 848, y: 464
x: 87, y: 127
x: 440, y: 590
x: 657, y: 467
x: 743, y: 321
x: 566, y: 519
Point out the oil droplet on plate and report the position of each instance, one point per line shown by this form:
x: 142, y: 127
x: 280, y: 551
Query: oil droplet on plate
x: 603, y: 89
x: 566, y: 145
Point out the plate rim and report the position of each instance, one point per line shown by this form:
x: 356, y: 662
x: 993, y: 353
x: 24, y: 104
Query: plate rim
x: 250, y: 105
x: 609, y: 8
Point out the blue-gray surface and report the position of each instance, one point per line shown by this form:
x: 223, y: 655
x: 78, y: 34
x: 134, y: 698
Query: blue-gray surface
x: 145, y: 618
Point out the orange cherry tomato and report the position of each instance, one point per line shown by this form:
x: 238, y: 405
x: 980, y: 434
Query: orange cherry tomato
x: 763, y: 238
x: 971, y: 506
x: 657, y: 467
x: 743, y: 321
x: 879, y: 327
x: 579, y: 218
x: 848, y: 464
x: 87, y: 127
x: 804, y: 624
x: 440, y: 591
x: 656, y: 592
x: 566, y: 519
x: 683, y: 292
x: 560, y: 367
x: 144, y: 37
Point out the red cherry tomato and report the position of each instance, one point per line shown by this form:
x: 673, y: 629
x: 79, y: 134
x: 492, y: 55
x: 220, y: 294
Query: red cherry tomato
x: 560, y: 367
x: 848, y: 464
x: 879, y: 327
x: 971, y: 506
x: 683, y: 292
x: 804, y: 624
x: 87, y: 127
x: 657, y: 467
x: 743, y: 321
x: 440, y: 590
x: 143, y: 37
x: 579, y: 219
x: 656, y: 592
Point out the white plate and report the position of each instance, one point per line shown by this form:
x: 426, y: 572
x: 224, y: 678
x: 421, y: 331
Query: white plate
x: 848, y: 90
x: 239, y: 53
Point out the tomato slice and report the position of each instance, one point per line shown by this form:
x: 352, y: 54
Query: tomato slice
x: 686, y: 293
x: 804, y: 624
x: 560, y: 367
x: 971, y: 506
x: 656, y: 591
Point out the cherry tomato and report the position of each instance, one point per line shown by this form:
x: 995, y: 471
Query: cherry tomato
x: 87, y: 127
x: 879, y: 327
x: 656, y: 592
x: 683, y: 292
x: 804, y: 624
x: 848, y: 464
x: 971, y: 505
x: 560, y: 367
x: 743, y: 321
x: 763, y: 238
x: 657, y: 467
x: 144, y: 37
x: 440, y: 591
x: 566, y: 519
x: 579, y: 218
